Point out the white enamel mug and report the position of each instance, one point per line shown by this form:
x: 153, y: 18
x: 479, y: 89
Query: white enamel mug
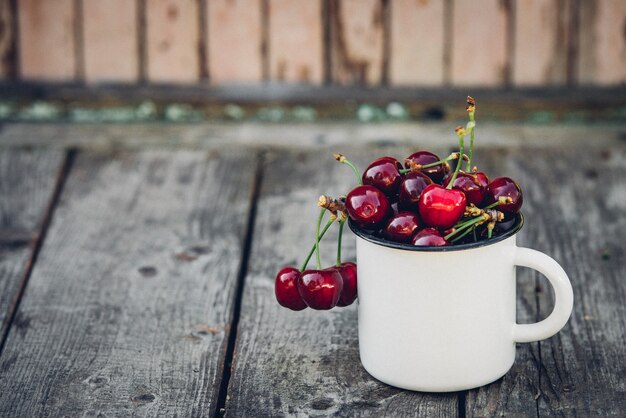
x: 441, y: 319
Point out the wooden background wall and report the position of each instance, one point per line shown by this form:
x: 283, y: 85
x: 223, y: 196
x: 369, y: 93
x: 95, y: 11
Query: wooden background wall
x: 364, y: 42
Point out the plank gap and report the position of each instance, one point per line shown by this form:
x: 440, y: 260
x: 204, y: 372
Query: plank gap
x: 326, y: 42
x: 572, y: 44
x: 448, y: 15
x: 386, y: 11
x: 142, y: 53
x: 62, y: 176
x: 257, y: 181
x: 203, y: 30
x: 79, y: 43
x: 265, y: 36
x: 461, y: 404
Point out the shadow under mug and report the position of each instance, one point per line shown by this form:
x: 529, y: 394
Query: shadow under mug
x: 441, y: 319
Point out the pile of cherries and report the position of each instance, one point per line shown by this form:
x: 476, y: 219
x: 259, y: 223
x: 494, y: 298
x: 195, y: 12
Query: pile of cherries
x: 422, y: 202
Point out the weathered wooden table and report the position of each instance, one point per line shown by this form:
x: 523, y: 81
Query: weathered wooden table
x: 137, y: 266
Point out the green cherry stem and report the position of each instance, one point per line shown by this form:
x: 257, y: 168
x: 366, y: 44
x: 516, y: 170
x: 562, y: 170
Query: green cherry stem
x: 465, y: 225
x: 317, y: 239
x: 341, y: 222
x: 342, y: 159
x: 453, y: 156
x: 467, y: 231
x: 461, y: 134
x: 320, y: 236
x: 471, y: 125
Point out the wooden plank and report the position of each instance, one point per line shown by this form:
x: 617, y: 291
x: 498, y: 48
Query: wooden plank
x: 602, y: 56
x: 579, y: 371
x: 296, y: 41
x: 172, y: 37
x: 540, y: 42
x: 128, y: 309
x: 46, y: 40
x: 306, y: 363
x: 356, y: 41
x: 479, y: 43
x: 7, y: 39
x: 417, y: 42
x: 515, y: 393
x: 27, y: 182
x: 583, y: 224
x: 110, y: 40
x: 234, y: 40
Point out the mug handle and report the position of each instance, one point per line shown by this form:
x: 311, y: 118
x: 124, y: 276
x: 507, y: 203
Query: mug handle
x: 563, y: 296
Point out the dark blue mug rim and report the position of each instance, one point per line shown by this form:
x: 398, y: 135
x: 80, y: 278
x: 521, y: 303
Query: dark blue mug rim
x: 369, y: 236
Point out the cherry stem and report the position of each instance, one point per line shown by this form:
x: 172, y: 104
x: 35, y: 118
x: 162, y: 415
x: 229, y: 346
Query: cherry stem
x: 341, y: 222
x: 342, y: 159
x: 317, y: 239
x: 458, y: 164
x: 453, y: 156
x: 472, y: 125
x: 464, y: 225
x: 320, y: 236
x: 491, y: 206
x: 464, y: 234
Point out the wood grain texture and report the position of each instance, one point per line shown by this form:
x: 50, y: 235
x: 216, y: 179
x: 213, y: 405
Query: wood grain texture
x: 46, y: 40
x: 356, y: 41
x: 583, y: 223
x: 417, y: 42
x: 27, y: 182
x: 127, y: 311
x: 602, y: 56
x: 574, y: 216
x: 296, y: 41
x: 172, y: 38
x: 479, y: 43
x: 540, y: 42
x: 234, y: 40
x: 515, y: 393
x: 7, y: 38
x: 307, y: 363
x: 110, y: 40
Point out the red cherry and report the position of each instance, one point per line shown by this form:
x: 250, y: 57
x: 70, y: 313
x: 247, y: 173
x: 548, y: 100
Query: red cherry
x: 436, y: 173
x: 482, y: 180
x: 347, y: 271
x: 470, y: 185
x: 401, y: 227
x: 429, y: 237
x: 440, y: 207
x: 504, y: 186
x: 383, y: 173
x: 411, y: 188
x: 286, y: 289
x: 320, y: 289
x: 367, y: 206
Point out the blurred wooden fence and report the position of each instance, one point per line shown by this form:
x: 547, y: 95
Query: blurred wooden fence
x: 362, y: 42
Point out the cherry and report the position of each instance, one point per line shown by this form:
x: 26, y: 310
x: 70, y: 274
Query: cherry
x: 436, y: 173
x: 411, y: 188
x: 401, y: 227
x: 383, y: 173
x: 347, y: 271
x: 474, y: 188
x: 505, y: 187
x: 320, y: 289
x: 429, y: 237
x: 482, y: 180
x: 286, y: 289
x: 440, y: 207
x: 367, y: 206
